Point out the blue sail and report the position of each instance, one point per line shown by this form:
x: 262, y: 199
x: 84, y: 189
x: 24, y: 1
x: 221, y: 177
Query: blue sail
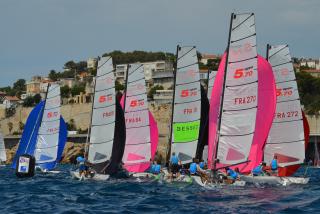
x: 62, y: 142
x: 29, y: 136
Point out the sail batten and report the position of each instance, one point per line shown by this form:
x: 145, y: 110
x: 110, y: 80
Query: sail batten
x: 283, y: 142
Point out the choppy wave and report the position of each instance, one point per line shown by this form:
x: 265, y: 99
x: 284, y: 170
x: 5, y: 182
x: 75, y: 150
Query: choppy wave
x: 58, y: 193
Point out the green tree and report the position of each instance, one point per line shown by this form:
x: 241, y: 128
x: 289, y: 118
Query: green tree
x: 77, y: 89
x: 10, y: 126
x: 53, y: 75
x: 37, y: 98
x: 65, y: 91
x: 119, y: 86
x: 152, y: 91
x: 28, y: 102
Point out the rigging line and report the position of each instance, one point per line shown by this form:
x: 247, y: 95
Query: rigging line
x: 49, y: 121
x: 236, y: 135
x: 231, y: 86
x: 240, y: 109
x: 188, y: 65
x: 186, y: 83
x: 286, y: 81
x: 187, y: 102
x: 104, y: 89
x: 185, y: 53
x: 105, y: 124
x: 104, y: 63
x: 288, y: 121
x: 242, y: 38
x: 285, y: 101
x: 278, y: 51
x: 136, y: 127
x: 133, y: 144
x: 104, y: 106
x: 137, y: 110
x: 294, y: 141
x: 48, y: 133
x: 242, y: 21
x: 53, y: 96
x: 188, y: 121
x: 136, y: 94
x: 47, y: 147
x: 52, y: 108
x: 102, y: 142
x: 135, y: 69
x: 105, y: 74
x: 136, y: 80
x: 53, y: 88
x: 243, y: 60
x: 282, y: 64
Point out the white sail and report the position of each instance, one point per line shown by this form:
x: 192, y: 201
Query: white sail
x: 3, y: 156
x: 48, y: 135
x: 212, y: 76
x: 240, y: 98
x: 103, y: 113
x: 138, y: 144
x: 187, y: 105
x: 286, y: 136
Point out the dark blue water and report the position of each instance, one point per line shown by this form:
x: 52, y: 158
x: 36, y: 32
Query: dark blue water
x: 58, y: 193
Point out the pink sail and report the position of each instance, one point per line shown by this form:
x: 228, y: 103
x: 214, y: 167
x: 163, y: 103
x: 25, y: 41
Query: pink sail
x: 265, y: 113
x: 154, y: 137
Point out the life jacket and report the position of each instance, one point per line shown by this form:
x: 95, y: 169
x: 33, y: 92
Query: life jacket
x: 193, y: 168
x: 152, y: 168
x: 274, y: 164
x: 257, y: 170
x: 232, y: 174
x: 157, y: 169
x: 174, y: 160
x: 201, y: 164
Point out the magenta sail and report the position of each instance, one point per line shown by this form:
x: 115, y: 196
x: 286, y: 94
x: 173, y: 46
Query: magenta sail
x: 141, y: 127
x: 265, y: 112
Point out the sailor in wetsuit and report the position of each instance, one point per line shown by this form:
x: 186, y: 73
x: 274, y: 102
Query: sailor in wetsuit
x: 174, y: 164
x: 274, y: 166
x: 156, y: 168
x: 82, y: 166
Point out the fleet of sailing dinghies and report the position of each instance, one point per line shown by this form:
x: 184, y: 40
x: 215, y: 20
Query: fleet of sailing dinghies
x: 232, y: 124
x: 107, y: 137
x: 283, y: 142
x: 141, y: 128
x: 45, y: 132
x: 3, y: 156
x: 186, y: 105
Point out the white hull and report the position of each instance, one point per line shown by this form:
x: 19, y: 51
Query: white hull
x: 207, y: 185
x: 274, y: 180
x: 96, y: 177
x: 39, y: 169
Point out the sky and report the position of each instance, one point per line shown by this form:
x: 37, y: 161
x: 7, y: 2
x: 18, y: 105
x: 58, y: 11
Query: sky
x: 37, y: 36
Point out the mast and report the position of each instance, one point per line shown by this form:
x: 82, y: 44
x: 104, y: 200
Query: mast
x: 267, y: 55
x: 172, y: 106
x: 222, y: 95
x: 92, y: 106
x: 125, y: 89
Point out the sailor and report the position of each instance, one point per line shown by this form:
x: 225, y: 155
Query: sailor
x: 274, y: 165
x: 174, y: 164
x: 182, y: 169
x: 82, y: 166
x: 193, y: 167
x: 157, y: 168
x: 232, y: 174
x: 257, y: 170
x: 202, y: 164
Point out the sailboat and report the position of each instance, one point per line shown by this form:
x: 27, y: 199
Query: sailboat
x: 141, y: 127
x: 107, y: 134
x: 244, y: 95
x: 287, y: 145
x: 3, y: 155
x: 45, y: 132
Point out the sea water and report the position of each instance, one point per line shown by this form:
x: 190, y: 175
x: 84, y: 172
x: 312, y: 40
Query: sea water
x: 59, y: 193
